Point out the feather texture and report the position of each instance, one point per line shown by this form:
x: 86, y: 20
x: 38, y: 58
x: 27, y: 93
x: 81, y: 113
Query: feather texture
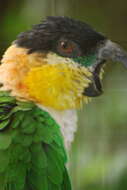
x: 32, y: 154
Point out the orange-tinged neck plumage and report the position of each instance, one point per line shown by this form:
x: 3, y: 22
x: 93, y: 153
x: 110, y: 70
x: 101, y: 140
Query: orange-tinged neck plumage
x: 33, y: 77
x: 16, y: 63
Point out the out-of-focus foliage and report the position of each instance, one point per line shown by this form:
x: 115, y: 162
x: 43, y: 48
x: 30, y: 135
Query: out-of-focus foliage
x: 99, y: 153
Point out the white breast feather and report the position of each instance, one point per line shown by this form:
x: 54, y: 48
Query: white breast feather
x: 68, y: 122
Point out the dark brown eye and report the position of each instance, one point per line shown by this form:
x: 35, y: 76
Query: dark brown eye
x: 64, y: 45
x: 68, y: 48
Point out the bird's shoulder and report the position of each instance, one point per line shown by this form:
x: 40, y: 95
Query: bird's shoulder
x: 26, y: 118
x: 30, y: 143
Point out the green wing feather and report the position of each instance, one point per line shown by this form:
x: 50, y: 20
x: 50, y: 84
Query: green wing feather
x: 32, y: 154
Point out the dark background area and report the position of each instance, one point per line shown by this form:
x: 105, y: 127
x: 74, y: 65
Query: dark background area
x: 99, y: 153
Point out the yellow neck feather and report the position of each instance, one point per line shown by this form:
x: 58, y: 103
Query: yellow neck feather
x: 59, y: 86
x: 54, y: 81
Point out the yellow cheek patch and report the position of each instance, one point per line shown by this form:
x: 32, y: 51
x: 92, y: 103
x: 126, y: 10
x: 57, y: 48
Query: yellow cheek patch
x: 59, y: 86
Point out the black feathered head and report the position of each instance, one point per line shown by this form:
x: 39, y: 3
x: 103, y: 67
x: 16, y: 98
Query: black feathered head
x: 67, y: 69
x: 46, y: 36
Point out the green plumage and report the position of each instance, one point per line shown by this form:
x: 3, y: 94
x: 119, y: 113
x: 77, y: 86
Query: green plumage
x: 86, y: 60
x: 32, y: 155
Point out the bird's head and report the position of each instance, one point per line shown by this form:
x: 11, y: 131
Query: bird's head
x: 58, y: 63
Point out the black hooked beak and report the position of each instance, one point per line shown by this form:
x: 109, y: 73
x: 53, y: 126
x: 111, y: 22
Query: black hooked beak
x: 95, y: 87
x: 109, y: 51
x: 112, y: 51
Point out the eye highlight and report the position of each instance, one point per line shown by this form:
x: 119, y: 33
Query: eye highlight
x: 68, y: 48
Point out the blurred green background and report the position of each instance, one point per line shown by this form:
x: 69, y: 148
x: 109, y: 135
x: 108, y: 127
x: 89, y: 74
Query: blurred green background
x: 99, y: 153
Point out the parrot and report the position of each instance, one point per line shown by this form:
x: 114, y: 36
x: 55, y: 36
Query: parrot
x: 46, y: 74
